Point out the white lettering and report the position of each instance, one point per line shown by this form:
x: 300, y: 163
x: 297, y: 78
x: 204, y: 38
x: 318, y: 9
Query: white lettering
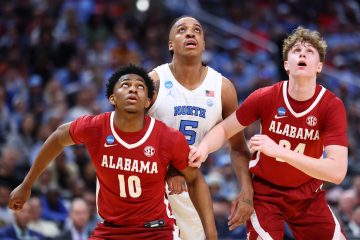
x: 135, y: 166
x: 111, y: 165
x: 104, y: 161
x: 294, y: 132
x: 127, y: 164
x: 131, y: 165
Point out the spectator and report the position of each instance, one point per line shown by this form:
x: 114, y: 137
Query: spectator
x: 19, y: 229
x: 77, y: 227
x: 47, y: 228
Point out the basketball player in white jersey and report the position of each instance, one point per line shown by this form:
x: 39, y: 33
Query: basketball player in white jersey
x: 192, y: 97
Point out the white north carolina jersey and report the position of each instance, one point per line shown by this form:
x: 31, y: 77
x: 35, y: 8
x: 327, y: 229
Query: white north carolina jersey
x: 193, y: 112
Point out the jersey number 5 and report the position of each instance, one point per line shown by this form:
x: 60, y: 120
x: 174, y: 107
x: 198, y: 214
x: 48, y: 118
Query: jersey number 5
x: 133, y: 186
x: 300, y: 148
x: 189, y: 134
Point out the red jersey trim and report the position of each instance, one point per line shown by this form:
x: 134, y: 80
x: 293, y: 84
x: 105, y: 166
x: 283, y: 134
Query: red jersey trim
x: 134, y: 145
x: 287, y: 103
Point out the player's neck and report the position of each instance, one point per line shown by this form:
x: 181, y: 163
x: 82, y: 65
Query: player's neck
x: 129, y: 122
x: 189, y: 73
x: 301, y: 90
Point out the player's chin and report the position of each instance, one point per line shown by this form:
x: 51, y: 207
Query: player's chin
x: 132, y: 109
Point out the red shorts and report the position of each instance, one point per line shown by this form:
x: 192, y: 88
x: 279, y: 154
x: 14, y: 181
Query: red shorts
x: 104, y: 231
x: 304, y: 208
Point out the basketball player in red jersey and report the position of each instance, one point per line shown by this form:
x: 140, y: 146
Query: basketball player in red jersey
x: 302, y: 143
x: 131, y: 152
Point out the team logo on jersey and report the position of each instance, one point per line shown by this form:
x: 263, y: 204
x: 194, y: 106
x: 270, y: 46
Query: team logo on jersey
x: 149, y: 151
x: 168, y: 84
x: 110, y: 139
x: 209, y: 102
x: 280, y: 113
x: 311, y: 121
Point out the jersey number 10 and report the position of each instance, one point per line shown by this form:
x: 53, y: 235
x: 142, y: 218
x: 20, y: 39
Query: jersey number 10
x: 133, y: 185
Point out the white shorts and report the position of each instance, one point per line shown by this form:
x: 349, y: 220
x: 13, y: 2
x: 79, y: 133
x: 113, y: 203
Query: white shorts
x: 187, y: 218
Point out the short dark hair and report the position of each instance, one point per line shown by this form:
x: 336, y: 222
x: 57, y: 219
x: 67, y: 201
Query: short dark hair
x: 130, y: 69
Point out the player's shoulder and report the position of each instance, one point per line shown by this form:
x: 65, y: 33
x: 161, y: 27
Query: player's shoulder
x: 165, y: 129
x: 330, y: 99
x: 94, y: 120
x: 268, y: 91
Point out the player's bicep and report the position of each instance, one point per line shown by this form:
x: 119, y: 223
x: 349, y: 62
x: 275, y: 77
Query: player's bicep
x: 63, y: 136
x: 155, y: 77
x: 190, y: 174
x: 337, y: 153
x: 228, y: 98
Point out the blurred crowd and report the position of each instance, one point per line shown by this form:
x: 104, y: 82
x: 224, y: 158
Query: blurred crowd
x: 55, y: 58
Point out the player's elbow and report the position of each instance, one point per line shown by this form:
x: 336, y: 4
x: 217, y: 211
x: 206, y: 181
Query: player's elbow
x: 338, y: 177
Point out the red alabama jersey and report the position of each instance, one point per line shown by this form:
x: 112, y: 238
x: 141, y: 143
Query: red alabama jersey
x: 303, y: 126
x: 131, y: 167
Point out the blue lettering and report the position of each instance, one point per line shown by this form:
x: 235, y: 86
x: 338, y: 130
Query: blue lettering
x: 190, y: 111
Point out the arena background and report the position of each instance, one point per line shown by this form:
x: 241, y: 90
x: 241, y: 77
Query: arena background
x: 55, y: 57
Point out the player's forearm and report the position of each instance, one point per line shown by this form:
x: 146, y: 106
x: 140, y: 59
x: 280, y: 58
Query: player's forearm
x: 214, y: 139
x: 52, y: 147
x: 200, y: 196
x: 240, y: 164
x: 331, y: 169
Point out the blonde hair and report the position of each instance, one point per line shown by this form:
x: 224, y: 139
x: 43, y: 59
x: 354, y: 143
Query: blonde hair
x: 301, y: 34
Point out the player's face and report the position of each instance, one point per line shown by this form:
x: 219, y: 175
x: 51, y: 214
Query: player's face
x: 303, y: 61
x: 187, y: 37
x: 130, y: 94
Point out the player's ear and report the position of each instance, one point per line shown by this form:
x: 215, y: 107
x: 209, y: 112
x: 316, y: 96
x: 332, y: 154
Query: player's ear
x: 319, y: 67
x: 148, y: 102
x: 286, y: 66
x: 112, y: 100
x: 170, y: 44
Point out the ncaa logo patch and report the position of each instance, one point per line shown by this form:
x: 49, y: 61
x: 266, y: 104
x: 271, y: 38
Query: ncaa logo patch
x: 281, y: 111
x: 311, y: 121
x: 149, y: 151
x: 110, y: 139
x: 168, y: 84
x: 210, y: 102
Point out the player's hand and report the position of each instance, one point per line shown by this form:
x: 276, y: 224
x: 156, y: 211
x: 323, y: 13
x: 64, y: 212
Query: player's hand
x: 265, y: 145
x: 18, y: 197
x: 197, y: 156
x: 176, y: 184
x: 241, y: 209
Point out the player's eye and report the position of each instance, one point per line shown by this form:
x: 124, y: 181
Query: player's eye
x: 140, y: 86
x: 181, y: 30
x: 198, y: 30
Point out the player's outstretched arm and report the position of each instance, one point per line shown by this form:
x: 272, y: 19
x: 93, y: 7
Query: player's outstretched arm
x: 332, y: 168
x: 242, y: 206
x: 214, y: 140
x: 200, y: 196
x: 52, y: 147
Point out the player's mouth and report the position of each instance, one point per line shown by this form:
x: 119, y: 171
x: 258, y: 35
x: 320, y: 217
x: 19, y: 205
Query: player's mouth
x: 191, y: 43
x: 132, y: 98
x: 302, y: 64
